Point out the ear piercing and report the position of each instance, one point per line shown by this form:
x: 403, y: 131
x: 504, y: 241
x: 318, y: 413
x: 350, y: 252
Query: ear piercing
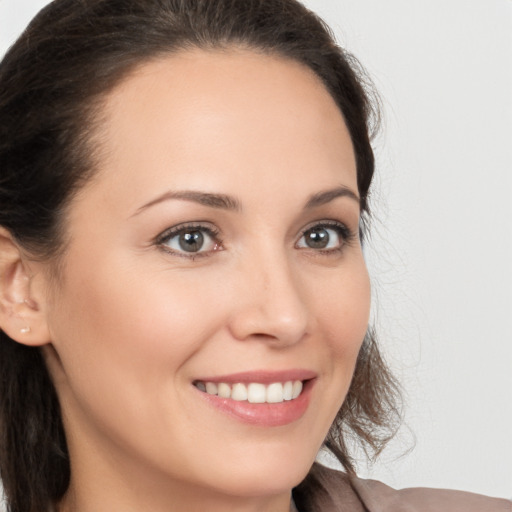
x: 26, y: 329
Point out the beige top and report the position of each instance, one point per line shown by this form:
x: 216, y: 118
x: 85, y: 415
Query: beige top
x: 327, y: 490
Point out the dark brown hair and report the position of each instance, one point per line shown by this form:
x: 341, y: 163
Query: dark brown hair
x: 52, y: 83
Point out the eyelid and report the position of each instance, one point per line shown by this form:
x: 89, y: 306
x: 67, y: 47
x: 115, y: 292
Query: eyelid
x: 347, y: 234
x: 210, y: 229
x: 327, y: 223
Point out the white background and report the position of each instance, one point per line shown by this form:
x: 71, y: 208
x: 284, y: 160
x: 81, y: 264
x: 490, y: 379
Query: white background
x: 441, y: 254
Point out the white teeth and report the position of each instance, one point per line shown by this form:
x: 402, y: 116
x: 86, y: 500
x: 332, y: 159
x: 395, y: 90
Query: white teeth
x: 239, y: 392
x: 288, y: 390
x: 211, y: 388
x: 275, y: 393
x: 224, y: 390
x: 297, y: 389
x: 255, y: 392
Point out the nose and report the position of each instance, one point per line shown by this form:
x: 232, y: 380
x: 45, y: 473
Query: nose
x: 270, y: 304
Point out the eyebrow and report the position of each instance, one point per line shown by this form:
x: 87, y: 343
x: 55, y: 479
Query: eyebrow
x: 220, y: 201
x: 327, y: 196
x: 226, y: 202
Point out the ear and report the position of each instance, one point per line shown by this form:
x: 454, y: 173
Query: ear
x: 22, y: 296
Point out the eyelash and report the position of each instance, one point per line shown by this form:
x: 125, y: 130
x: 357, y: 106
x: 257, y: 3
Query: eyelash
x: 175, y: 231
x: 346, y: 237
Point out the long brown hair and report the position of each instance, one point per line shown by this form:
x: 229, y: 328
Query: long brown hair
x: 52, y: 83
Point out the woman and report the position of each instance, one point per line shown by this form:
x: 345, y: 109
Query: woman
x: 184, y: 299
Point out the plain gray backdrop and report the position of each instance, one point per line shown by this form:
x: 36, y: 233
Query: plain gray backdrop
x: 441, y: 253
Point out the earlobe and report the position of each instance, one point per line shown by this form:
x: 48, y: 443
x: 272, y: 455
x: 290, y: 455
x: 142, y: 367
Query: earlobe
x: 22, y: 316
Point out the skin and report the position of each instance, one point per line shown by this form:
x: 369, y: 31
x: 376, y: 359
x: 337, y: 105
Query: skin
x: 132, y: 321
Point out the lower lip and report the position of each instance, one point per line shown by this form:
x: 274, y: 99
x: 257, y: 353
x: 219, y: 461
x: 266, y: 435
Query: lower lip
x: 264, y: 415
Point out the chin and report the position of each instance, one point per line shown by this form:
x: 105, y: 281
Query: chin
x: 265, y: 474
x: 267, y: 483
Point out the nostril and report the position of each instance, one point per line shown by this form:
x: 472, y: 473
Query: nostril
x: 277, y: 317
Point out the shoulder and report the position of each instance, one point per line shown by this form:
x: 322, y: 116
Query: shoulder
x: 378, y: 497
x: 333, y: 491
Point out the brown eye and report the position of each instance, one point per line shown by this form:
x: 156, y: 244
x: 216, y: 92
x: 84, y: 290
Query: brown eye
x: 317, y: 238
x: 191, y: 240
x: 324, y: 237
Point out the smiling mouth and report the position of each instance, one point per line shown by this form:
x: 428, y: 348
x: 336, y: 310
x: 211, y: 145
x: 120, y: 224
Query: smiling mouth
x: 254, y: 392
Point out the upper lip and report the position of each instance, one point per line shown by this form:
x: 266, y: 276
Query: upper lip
x: 261, y: 376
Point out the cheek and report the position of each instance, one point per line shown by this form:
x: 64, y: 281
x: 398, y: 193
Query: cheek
x: 343, y: 311
x: 340, y: 306
x: 141, y: 321
x: 123, y: 339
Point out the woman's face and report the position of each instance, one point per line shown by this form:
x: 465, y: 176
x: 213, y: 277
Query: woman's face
x: 216, y: 249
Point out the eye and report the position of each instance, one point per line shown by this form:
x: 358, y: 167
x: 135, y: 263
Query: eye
x: 189, y: 240
x: 324, y: 237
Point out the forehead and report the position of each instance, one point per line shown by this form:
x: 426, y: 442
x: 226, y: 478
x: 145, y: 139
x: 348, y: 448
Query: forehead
x: 223, y: 118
